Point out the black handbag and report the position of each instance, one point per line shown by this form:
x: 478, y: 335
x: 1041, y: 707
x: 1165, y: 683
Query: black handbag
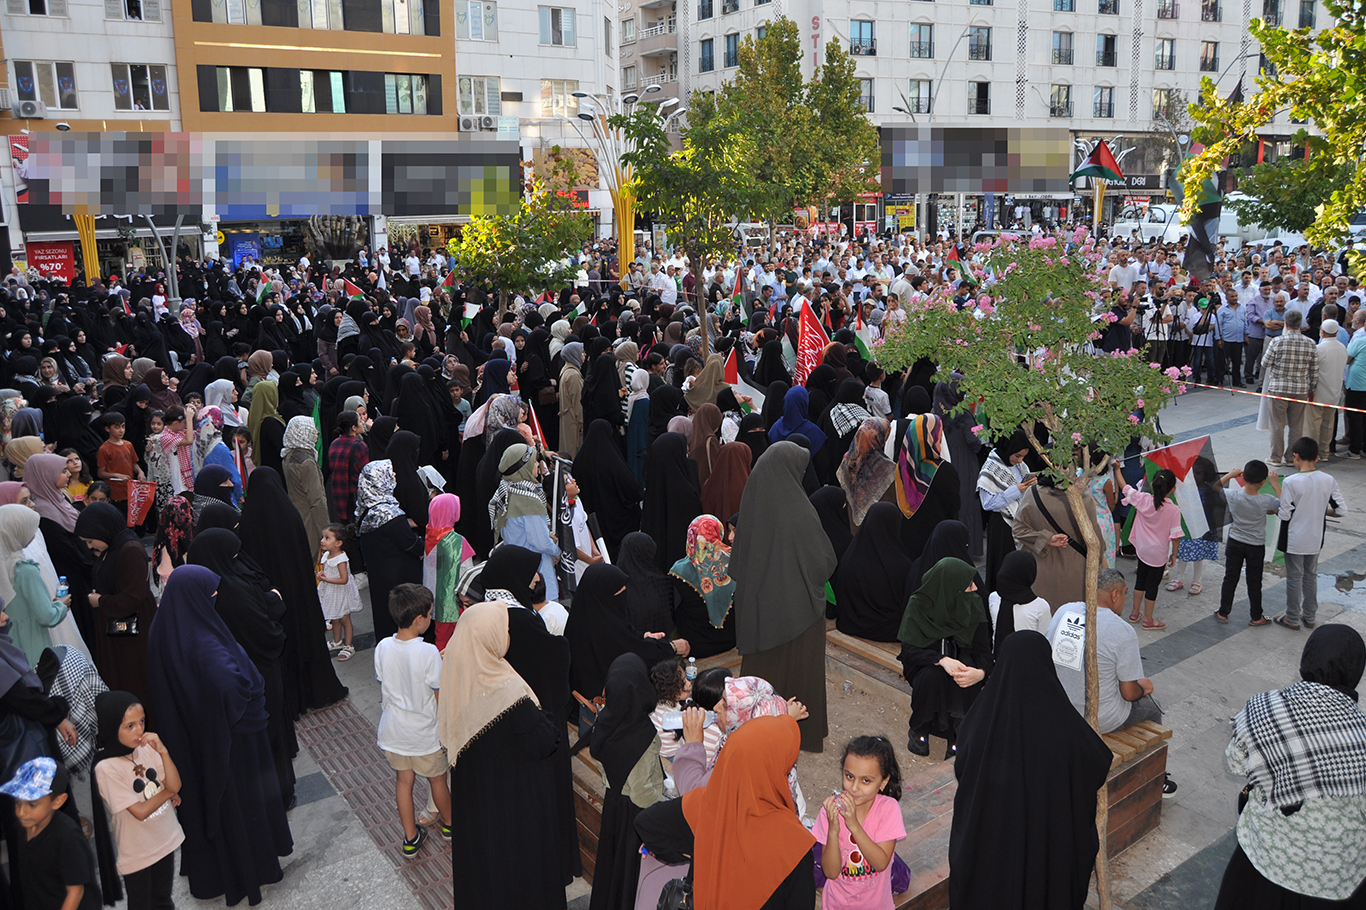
x: 121, y: 628
x: 677, y: 894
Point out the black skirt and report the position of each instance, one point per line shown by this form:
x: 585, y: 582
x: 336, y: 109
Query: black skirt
x: 1244, y: 888
x: 694, y: 626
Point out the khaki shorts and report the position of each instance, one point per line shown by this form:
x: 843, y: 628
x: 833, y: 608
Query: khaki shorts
x: 434, y: 765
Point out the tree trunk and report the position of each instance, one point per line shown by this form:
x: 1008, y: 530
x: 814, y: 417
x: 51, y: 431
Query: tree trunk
x: 1076, y: 493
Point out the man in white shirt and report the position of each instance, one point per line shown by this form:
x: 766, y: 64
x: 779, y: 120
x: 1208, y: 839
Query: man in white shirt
x: 1124, y: 273
x: 1319, y: 422
x: 1125, y: 691
x: 663, y: 285
x: 413, y: 265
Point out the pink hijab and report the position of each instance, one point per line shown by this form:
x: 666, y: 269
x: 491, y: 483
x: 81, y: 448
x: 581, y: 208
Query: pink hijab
x: 9, y: 492
x: 41, y: 474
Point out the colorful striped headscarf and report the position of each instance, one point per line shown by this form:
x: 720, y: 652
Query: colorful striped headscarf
x: 921, y: 455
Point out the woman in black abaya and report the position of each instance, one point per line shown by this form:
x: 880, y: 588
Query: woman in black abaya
x: 927, y: 486
x: 945, y: 652
x: 542, y: 660
x: 252, y: 611
x: 417, y: 415
x: 502, y: 747
x: 1024, y: 818
x: 209, y: 703
x: 411, y: 493
x: 832, y: 505
x: 626, y: 746
x: 780, y: 569
x: 599, y: 632
x: 602, y: 394
x: 666, y: 403
x: 273, y: 536
x: 608, y: 486
x: 673, y: 498
x: 870, y: 583
x: 649, y: 596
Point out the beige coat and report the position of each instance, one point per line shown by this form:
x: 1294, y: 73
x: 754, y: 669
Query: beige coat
x: 571, y: 410
x: 1062, y: 570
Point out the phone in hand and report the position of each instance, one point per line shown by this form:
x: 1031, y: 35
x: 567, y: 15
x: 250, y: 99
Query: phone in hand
x: 673, y: 720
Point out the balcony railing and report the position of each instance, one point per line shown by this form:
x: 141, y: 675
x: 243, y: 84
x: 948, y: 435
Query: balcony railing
x: 664, y: 28
x: 1168, y: 9
x: 1060, y: 110
x: 1105, y: 58
x: 1062, y: 56
x: 979, y: 51
x: 1165, y: 62
x: 1105, y: 109
x: 1209, y: 64
x: 978, y: 105
x: 919, y: 105
x: 922, y: 50
x: 1211, y: 12
x: 865, y: 48
x: 660, y: 79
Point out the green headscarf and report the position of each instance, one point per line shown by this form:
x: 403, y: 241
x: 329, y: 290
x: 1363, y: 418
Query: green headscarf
x: 518, y: 492
x: 264, y: 403
x: 943, y: 607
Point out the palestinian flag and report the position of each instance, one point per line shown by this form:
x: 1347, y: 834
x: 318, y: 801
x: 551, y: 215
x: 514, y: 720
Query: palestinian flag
x: 449, y: 280
x: 863, y: 337
x: 738, y: 298
x: 578, y: 311
x: 467, y: 316
x: 1100, y: 165
x: 263, y: 290
x: 1193, y: 464
x: 737, y: 382
x: 953, y: 254
x: 352, y: 290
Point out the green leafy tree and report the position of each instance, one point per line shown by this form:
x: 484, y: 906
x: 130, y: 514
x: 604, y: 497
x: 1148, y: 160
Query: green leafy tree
x: 1025, y: 350
x: 1287, y: 194
x: 526, y: 250
x: 811, y: 140
x: 1320, y: 78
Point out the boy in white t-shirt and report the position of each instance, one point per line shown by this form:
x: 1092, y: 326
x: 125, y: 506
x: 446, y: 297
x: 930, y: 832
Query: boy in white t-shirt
x: 409, y: 674
x: 1307, y: 499
x: 583, y: 538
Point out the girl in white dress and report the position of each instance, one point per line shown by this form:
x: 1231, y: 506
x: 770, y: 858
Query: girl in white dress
x: 337, y: 591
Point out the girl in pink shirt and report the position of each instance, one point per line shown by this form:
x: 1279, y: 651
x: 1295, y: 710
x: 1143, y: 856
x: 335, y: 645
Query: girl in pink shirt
x: 1156, y: 529
x: 859, y: 827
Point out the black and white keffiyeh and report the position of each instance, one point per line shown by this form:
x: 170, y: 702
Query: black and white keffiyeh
x: 78, y: 682
x: 1306, y: 741
x: 846, y: 418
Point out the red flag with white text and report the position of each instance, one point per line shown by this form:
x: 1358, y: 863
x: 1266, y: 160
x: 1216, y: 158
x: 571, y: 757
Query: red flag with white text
x: 811, y: 342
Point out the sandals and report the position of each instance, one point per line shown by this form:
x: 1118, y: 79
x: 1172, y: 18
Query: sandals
x: 1221, y: 617
x: 346, y: 653
x: 1154, y: 625
x: 1195, y: 589
x: 333, y: 646
x: 1176, y: 585
x: 1285, y: 623
x: 1134, y: 616
x: 1259, y: 621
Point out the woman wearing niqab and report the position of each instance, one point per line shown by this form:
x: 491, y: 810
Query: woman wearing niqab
x: 208, y: 699
x: 608, y: 486
x: 672, y: 497
x: 780, y: 570
x: 870, y: 583
x: 1028, y: 768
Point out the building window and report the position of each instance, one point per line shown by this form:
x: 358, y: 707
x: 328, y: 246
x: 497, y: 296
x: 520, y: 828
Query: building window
x: 405, y: 93
x: 628, y: 77
x: 476, y: 21
x: 1307, y: 13
x: 1105, y: 50
x: 56, y: 8
x: 980, y: 2
x: 320, y: 14
x: 1271, y: 12
x: 919, y: 96
x: 979, y: 44
x: 250, y: 93
x: 54, y: 84
x: 706, y: 58
x: 979, y: 97
x: 704, y: 9
x: 402, y: 17
x: 1209, y: 56
x: 1108, y: 7
x: 322, y: 92
x: 1168, y: 9
x: 237, y: 12
x: 862, y: 42
x: 133, y: 10
x: 479, y: 95
x: 1060, y: 101
x: 557, y: 98
x: 1064, y: 6
x: 922, y: 41
x: 1210, y: 11
x: 140, y: 87
x: 1164, y: 57
x: 760, y: 33
x: 865, y: 94
x: 557, y: 26
x: 1104, y: 101
x: 1062, y: 48
x: 1162, y: 102
x: 606, y: 35
x: 628, y: 30
x: 1265, y: 67
x: 733, y: 50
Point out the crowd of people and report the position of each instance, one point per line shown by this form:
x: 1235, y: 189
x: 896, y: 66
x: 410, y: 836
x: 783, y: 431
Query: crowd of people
x: 552, y: 504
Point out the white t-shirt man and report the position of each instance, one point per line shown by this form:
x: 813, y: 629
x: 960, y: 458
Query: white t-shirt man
x: 555, y: 617
x: 1124, y: 275
x: 1117, y: 659
x: 413, y: 265
x: 409, y: 673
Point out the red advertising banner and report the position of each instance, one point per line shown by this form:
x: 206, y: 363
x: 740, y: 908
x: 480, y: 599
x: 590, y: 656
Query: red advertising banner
x: 53, y: 257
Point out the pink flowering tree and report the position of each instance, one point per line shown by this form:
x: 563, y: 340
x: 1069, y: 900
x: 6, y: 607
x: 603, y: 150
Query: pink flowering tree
x: 1027, y: 346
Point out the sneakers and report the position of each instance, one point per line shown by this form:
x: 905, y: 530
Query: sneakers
x: 445, y: 831
x: 1168, y: 788
x: 410, y: 847
x: 1351, y: 456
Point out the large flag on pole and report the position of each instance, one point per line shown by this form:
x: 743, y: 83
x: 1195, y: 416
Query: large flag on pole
x: 736, y: 381
x: 1100, y: 164
x: 811, y: 342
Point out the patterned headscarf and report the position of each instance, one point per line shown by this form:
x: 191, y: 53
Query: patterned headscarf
x: 921, y: 455
x: 748, y: 697
x: 375, y: 502
x: 300, y: 433
x: 503, y: 413
x: 706, y: 568
x: 866, y: 470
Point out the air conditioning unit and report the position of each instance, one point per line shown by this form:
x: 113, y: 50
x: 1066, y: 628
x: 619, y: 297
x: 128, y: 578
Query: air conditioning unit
x: 29, y: 110
x: 488, y: 122
x: 469, y: 124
